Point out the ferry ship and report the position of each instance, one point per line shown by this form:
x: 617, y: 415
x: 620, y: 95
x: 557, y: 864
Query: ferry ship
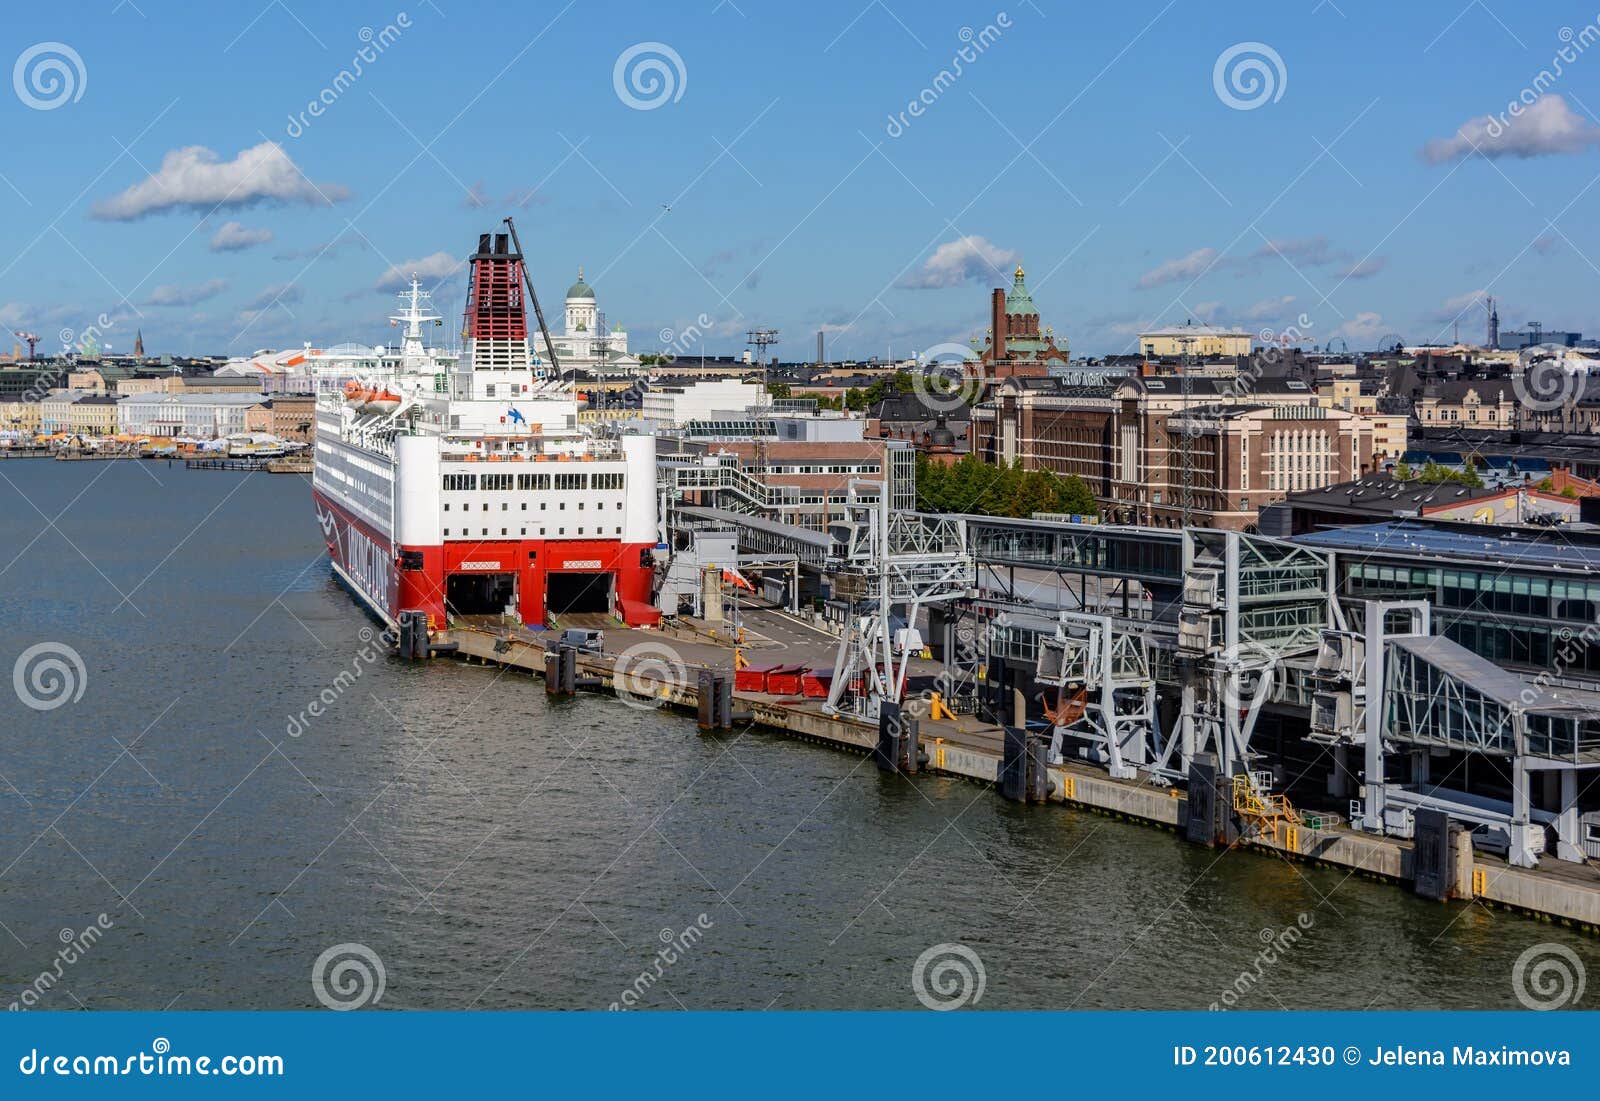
x: 462, y: 485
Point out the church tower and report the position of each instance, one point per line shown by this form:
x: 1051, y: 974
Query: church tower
x: 138, y: 343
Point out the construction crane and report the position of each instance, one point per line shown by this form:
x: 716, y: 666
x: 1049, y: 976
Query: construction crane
x: 31, y: 338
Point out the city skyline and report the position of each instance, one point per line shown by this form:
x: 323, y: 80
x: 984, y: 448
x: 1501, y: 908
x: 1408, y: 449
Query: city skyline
x: 867, y: 172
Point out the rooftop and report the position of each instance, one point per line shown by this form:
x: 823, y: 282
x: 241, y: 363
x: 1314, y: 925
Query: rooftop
x: 1505, y: 547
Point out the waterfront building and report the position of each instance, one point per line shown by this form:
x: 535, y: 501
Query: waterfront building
x: 93, y: 414
x: 55, y: 410
x: 197, y: 416
x: 287, y: 416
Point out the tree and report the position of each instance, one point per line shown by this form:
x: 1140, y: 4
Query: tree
x: 779, y: 390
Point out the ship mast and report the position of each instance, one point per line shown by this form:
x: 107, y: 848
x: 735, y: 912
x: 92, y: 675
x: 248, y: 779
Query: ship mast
x: 416, y: 313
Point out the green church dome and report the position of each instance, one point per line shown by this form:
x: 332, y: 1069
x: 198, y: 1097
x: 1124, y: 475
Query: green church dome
x: 580, y: 289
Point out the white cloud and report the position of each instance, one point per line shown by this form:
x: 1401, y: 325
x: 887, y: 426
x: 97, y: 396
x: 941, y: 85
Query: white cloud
x: 193, y: 178
x: 1547, y: 127
x: 1363, y: 330
x: 438, y: 266
x: 969, y: 259
x: 277, y: 294
x: 1267, y: 308
x: 1364, y: 269
x: 173, y: 294
x: 233, y: 237
x: 1304, y: 251
x: 1184, y: 267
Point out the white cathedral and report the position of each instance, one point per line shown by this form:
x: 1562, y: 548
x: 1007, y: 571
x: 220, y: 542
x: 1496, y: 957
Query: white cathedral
x: 576, y: 347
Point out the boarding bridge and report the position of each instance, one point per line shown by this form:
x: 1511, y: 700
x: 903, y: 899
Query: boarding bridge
x: 1105, y: 692
x: 1434, y: 694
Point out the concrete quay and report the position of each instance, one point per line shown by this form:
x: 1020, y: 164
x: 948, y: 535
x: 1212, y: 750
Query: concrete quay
x: 973, y: 750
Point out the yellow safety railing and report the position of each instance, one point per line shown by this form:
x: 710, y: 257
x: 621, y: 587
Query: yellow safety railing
x: 1260, y: 807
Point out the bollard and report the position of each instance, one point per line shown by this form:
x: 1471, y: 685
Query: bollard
x: 561, y: 671
x: 703, y: 694
x: 1433, y: 862
x: 890, y: 733
x: 1024, y: 777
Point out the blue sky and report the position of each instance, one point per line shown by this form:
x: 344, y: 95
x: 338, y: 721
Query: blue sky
x: 1088, y: 141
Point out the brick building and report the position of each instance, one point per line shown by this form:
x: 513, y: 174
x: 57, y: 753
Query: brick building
x: 1147, y: 447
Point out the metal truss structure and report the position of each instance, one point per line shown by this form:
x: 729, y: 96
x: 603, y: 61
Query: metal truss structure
x: 1250, y: 604
x: 894, y: 564
x: 1105, y: 692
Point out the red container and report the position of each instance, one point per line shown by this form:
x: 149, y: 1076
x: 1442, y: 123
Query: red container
x: 816, y: 682
x: 785, y: 680
x: 753, y: 679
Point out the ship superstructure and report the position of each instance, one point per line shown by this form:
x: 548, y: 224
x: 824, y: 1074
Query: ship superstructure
x: 463, y: 485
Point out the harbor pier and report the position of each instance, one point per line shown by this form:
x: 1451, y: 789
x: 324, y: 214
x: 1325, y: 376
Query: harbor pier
x: 966, y: 747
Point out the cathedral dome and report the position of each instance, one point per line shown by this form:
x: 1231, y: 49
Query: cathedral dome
x: 580, y: 289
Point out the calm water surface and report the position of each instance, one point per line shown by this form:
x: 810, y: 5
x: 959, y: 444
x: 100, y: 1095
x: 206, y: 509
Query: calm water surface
x: 497, y: 850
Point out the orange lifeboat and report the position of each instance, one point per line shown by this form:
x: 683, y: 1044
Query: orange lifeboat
x: 381, y: 401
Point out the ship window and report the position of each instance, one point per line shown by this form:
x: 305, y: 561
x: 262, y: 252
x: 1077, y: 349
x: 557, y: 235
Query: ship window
x: 447, y: 506
x: 541, y: 506
x: 504, y: 506
x: 486, y: 506
x: 447, y: 531
x: 533, y: 481
x: 571, y: 481
x: 524, y: 506
x: 486, y: 531
x: 580, y: 506
x: 607, y: 481
x: 502, y: 531
x: 497, y: 481
x: 461, y: 481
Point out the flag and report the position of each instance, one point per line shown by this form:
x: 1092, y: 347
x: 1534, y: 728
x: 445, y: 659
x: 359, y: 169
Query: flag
x: 516, y: 415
